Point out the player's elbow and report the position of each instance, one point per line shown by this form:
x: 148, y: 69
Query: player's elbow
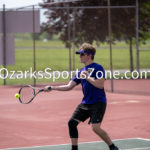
x: 71, y: 85
x: 70, y: 88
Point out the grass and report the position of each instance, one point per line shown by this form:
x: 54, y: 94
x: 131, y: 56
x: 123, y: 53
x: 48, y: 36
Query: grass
x: 56, y: 57
x: 29, y: 43
x: 59, y: 59
x: 30, y: 81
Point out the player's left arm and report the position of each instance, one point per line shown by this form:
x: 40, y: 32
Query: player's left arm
x: 99, y: 83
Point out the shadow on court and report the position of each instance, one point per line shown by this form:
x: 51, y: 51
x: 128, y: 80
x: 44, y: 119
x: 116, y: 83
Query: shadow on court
x: 124, y: 144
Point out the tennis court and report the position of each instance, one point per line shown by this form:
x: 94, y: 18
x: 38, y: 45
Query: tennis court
x: 42, y: 124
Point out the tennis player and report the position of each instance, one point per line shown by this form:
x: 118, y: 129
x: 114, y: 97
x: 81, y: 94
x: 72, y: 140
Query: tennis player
x: 93, y: 104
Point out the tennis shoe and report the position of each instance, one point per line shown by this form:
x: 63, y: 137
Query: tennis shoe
x: 114, y: 148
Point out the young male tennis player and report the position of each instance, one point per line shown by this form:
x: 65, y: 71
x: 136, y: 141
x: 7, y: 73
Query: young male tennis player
x: 93, y: 105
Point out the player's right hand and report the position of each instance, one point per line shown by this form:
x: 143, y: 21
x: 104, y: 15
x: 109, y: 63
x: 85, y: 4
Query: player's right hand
x: 47, y: 88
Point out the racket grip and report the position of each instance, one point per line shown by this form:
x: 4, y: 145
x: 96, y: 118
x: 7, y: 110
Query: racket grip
x: 41, y: 90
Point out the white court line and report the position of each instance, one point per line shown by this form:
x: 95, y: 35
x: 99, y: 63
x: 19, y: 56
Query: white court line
x: 136, y: 148
x: 132, y: 101
x: 125, y: 102
x: 143, y: 139
x: 79, y: 143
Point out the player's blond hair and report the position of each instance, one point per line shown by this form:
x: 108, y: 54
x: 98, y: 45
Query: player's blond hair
x: 88, y: 47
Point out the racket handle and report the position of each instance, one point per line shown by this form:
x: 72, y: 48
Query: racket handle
x: 41, y: 90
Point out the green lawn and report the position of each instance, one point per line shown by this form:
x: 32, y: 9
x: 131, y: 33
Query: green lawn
x: 40, y: 43
x: 56, y: 57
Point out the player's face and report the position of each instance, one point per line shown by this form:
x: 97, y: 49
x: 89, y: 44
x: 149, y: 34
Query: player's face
x: 84, y: 57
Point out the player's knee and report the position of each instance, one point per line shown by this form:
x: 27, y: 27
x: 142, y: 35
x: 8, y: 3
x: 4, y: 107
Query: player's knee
x: 73, y: 132
x: 72, y: 123
x: 95, y: 128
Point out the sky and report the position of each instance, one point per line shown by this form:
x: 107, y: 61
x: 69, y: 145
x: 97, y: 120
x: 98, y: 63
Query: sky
x: 22, y: 3
x: 18, y: 3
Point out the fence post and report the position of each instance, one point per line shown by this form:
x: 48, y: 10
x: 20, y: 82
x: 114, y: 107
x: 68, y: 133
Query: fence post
x: 110, y: 44
x: 34, y: 49
x: 137, y: 36
x: 69, y: 41
x: 4, y: 42
x: 74, y: 31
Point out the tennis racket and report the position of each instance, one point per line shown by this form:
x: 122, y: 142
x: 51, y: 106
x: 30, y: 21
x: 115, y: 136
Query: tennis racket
x: 28, y: 93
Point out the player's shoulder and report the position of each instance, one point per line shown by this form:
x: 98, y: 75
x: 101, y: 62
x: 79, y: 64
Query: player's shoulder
x: 97, y: 65
x: 81, y: 69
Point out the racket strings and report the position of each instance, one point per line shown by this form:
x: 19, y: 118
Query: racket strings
x: 26, y: 94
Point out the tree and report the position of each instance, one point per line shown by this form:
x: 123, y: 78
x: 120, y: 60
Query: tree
x: 92, y: 24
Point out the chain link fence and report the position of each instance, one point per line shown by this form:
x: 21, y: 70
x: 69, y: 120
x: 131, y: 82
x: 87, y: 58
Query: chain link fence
x: 48, y: 55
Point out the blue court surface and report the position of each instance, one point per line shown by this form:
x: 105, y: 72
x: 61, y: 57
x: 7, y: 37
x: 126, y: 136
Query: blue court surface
x: 123, y: 144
